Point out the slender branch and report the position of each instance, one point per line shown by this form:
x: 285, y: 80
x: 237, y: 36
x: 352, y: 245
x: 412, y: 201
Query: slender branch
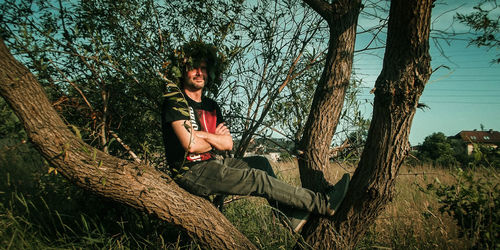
x: 234, y: 198
x: 125, y: 146
x: 72, y: 84
x: 160, y: 37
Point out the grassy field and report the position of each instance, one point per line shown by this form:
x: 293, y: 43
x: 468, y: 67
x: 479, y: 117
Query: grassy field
x: 39, y: 210
x: 412, y: 220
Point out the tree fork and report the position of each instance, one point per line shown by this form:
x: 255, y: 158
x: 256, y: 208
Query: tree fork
x: 399, y: 86
x: 130, y: 183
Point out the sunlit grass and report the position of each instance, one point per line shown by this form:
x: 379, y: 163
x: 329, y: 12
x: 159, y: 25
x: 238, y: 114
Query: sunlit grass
x: 412, y: 219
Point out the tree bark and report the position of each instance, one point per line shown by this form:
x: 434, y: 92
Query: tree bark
x: 399, y: 86
x: 126, y: 182
x: 342, y: 17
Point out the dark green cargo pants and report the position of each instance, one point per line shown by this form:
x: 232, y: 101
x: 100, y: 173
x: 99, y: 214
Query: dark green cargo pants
x: 250, y: 176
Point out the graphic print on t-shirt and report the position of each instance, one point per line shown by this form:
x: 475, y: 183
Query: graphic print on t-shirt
x: 192, y: 117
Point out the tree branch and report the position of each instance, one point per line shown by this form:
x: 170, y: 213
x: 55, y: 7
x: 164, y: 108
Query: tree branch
x: 125, y: 146
x: 323, y: 8
x: 130, y: 183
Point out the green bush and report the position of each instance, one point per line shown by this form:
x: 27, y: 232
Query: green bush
x: 40, y: 210
x: 474, y: 203
x: 446, y: 161
x: 484, y: 156
x: 437, y: 149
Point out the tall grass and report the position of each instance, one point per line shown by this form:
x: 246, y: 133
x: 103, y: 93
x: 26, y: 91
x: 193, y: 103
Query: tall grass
x: 42, y: 211
x: 412, y: 220
x: 39, y: 210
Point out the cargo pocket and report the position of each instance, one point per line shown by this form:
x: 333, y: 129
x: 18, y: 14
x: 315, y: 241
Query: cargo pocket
x: 190, y: 182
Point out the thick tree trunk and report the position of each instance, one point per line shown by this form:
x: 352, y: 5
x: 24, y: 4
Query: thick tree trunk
x: 399, y: 86
x: 330, y: 92
x: 130, y: 183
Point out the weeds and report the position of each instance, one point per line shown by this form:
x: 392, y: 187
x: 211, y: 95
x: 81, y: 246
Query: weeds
x: 40, y: 210
x: 473, y: 201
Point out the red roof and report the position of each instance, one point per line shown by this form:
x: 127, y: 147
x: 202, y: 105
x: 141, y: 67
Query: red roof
x: 480, y: 136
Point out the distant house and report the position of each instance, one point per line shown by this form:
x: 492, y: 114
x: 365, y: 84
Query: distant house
x: 271, y: 156
x: 488, y: 138
x: 271, y: 148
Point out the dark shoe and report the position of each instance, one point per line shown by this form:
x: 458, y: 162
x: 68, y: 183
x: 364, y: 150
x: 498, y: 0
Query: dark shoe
x: 294, y: 219
x: 337, y: 194
x: 218, y: 201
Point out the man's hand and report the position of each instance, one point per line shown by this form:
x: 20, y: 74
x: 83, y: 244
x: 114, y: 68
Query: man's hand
x: 220, y: 140
x: 188, y: 139
x: 199, y: 141
x: 222, y: 130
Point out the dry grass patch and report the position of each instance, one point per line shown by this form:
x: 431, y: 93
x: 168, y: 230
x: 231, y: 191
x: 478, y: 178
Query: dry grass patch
x: 412, y: 219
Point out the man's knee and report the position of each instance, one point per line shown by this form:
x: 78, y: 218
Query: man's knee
x: 260, y: 162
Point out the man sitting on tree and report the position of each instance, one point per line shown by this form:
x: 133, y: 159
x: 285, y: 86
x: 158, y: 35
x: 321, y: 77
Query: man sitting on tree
x: 194, y: 134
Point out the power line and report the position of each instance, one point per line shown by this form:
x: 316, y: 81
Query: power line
x: 448, y: 80
x: 426, y: 95
x: 362, y: 67
x: 479, y: 103
x: 464, y: 95
x: 444, y: 102
x: 468, y: 90
x: 450, y: 90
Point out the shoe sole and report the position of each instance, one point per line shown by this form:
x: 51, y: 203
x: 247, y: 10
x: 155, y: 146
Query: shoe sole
x: 300, y: 225
x: 294, y: 220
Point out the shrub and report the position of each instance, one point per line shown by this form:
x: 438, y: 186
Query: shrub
x: 40, y: 210
x: 473, y: 202
x: 484, y: 156
x: 446, y: 161
x: 438, y: 150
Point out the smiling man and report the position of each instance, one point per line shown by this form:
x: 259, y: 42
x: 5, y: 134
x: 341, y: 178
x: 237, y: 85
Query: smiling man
x: 194, y: 139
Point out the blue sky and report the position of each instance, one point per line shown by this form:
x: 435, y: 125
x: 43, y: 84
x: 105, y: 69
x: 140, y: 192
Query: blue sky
x: 460, y: 98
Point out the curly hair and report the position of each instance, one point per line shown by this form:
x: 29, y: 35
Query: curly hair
x: 189, y: 56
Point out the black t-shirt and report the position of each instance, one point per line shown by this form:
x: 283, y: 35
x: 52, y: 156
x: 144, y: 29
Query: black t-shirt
x: 204, y: 116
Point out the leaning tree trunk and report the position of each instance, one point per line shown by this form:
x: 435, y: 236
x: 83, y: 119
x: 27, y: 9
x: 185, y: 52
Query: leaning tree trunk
x: 399, y: 86
x: 130, y: 183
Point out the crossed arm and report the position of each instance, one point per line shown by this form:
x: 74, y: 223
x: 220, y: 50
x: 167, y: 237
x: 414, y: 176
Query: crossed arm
x: 201, y: 141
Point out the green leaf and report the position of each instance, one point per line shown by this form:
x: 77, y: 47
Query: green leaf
x: 77, y: 131
x: 110, y: 141
x: 171, y: 94
x: 176, y: 72
x: 183, y: 111
x: 172, y: 84
x: 179, y: 99
x: 85, y: 149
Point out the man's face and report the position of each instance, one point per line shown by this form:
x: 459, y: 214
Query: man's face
x: 196, y: 77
